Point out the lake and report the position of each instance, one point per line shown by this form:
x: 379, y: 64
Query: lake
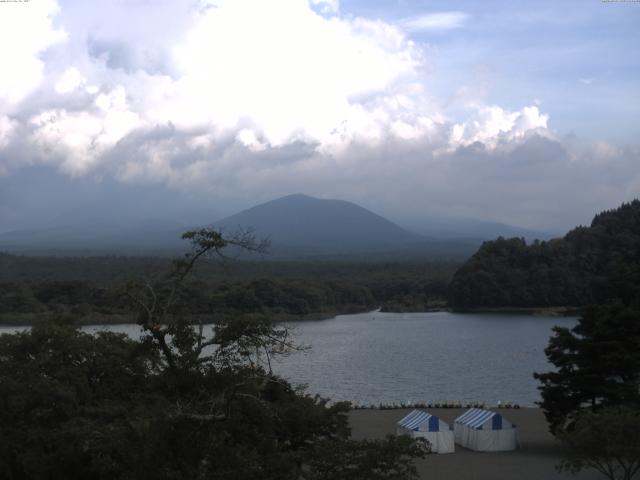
x: 382, y: 357
x: 398, y: 357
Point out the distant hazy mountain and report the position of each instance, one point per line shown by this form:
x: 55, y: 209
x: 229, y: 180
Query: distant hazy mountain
x: 143, y: 237
x: 302, y: 220
x: 298, y: 226
x: 442, y: 228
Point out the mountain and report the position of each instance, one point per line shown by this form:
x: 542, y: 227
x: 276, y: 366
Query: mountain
x: 142, y: 237
x: 594, y: 264
x: 470, y: 229
x: 305, y: 221
x: 299, y: 227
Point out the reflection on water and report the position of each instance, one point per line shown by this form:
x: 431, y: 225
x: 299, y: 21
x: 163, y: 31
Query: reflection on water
x: 384, y: 357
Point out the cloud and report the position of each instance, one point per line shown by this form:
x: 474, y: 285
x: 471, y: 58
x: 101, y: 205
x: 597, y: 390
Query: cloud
x: 285, y: 70
x: 26, y: 31
x: 237, y: 108
x: 69, y: 81
x: 435, y: 21
x: 79, y: 138
x: 492, y: 125
x: 7, y: 127
x: 327, y: 6
x: 603, y: 150
x: 281, y: 75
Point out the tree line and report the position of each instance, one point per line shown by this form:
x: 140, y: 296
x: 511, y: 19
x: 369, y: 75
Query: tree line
x: 589, y: 265
x: 591, y: 398
x: 276, y: 290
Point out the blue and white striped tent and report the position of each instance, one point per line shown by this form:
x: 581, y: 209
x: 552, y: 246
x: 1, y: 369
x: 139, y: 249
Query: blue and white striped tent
x: 485, y: 431
x: 421, y: 424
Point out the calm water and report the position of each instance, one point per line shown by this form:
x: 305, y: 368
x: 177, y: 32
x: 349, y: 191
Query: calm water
x: 376, y: 357
x: 391, y: 357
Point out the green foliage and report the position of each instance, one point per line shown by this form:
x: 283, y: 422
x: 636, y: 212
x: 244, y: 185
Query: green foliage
x: 588, y: 266
x: 91, y: 288
x: 289, y: 297
x: 178, y: 404
x: 607, y: 441
x: 388, y: 458
x: 72, y: 404
x: 597, y: 364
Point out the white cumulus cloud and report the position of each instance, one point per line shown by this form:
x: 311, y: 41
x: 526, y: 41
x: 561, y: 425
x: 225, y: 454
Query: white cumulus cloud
x: 69, y: 81
x: 26, y: 31
x: 284, y: 69
x: 78, y: 138
x: 493, y: 124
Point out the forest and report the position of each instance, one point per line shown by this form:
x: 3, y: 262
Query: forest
x: 33, y: 289
x: 590, y: 265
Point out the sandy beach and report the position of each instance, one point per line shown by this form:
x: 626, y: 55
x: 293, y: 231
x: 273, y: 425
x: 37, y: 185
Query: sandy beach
x: 534, y: 460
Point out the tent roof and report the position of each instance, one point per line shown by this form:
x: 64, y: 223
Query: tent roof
x: 417, y: 418
x: 476, y: 417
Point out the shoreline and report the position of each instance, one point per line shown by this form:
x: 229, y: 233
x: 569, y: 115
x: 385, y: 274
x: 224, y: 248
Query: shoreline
x: 561, y: 311
x: 93, y: 319
x: 96, y: 319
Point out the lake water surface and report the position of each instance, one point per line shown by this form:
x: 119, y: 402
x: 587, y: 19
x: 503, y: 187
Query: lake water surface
x: 381, y: 357
x: 394, y: 357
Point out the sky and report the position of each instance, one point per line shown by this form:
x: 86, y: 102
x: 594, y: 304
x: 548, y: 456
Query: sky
x: 519, y: 112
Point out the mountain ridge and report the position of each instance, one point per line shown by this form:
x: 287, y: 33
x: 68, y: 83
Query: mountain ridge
x: 303, y: 220
x: 299, y: 226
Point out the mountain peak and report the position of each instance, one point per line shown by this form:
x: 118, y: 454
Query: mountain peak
x: 295, y: 196
x: 302, y: 199
x: 306, y: 221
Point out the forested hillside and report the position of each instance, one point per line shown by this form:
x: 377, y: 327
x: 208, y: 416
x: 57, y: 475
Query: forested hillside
x: 92, y: 289
x: 593, y: 264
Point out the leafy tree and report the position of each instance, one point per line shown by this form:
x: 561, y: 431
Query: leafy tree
x: 74, y: 405
x: 597, y: 364
x: 607, y: 441
x: 181, y: 403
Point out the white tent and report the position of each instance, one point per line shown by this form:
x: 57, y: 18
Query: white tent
x: 420, y: 424
x: 485, y: 431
